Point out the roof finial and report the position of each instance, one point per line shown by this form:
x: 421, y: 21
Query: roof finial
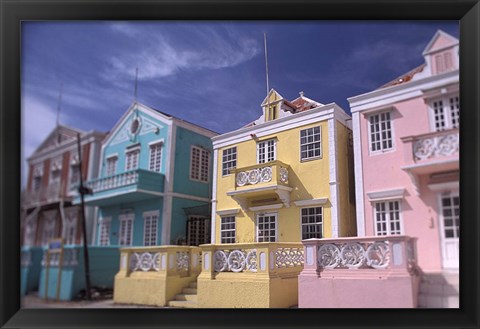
x: 301, y: 93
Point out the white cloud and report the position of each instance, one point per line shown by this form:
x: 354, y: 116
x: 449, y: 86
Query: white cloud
x: 162, y: 55
x: 38, y: 120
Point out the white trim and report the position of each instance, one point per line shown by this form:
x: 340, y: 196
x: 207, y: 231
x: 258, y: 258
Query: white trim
x: 300, y: 145
x: 201, y: 149
x: 333, y: 170
x: 122, y: 218
x: 358, y: 168
x: 378, y: 113
x: 311, y: 202
x: 227, y: 212
x: 265, y: 149
x: 214, y: 197
x: 268, y: 128
x: 448, y: 186
x: 194, y: 128
x: 386, y: 195
x: 188, y: 197
x: 422, y: 165
x: 434, y: 39
x: 394, y: 94
x: 158, y: 141
x: 169, y: 174
x: 150, y: 213
x: 257, y: 189
x: 267, y: 207
x: 322, y: 234
x: 100, y: 223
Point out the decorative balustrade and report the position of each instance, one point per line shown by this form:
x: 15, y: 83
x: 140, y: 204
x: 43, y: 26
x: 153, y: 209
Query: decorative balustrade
x: 275, y: 171
x: 378, y: 253
x: 182, y: 260
x: 267, y: 257
x: 115, y: 181
x: 432, y: 145
x: 69, y: 258
x: 49, y: 193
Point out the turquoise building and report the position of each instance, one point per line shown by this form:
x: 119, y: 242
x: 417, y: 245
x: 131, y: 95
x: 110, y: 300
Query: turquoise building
x: 154, y: 181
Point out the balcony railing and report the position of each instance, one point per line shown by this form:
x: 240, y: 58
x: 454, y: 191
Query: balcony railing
x: 369, y: 253
x: 271, y: 258
x: 50, y: 193
x: 127, y: 178
x: 434, y: 145
x: 275, y: 172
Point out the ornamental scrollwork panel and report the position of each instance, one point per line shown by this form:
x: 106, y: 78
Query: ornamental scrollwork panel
x: 288, y: 257
x: 444, y: 145
x: 254, y: 176
x: 235, y: 260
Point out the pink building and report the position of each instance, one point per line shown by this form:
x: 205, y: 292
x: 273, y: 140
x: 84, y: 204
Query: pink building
x: 406, y: 144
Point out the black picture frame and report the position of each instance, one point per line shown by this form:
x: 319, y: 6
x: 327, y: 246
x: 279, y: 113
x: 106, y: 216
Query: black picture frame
x: 14, y: 12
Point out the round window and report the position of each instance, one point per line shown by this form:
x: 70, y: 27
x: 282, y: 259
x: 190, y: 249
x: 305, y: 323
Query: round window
x: 134, y: 126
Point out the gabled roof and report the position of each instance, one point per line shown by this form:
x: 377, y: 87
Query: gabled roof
x: 278, y: 97
x: 303, y: 103
x: 440, y: 40
x: 58, y: 136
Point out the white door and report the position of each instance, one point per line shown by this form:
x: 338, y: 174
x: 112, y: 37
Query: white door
x: 449, y: 226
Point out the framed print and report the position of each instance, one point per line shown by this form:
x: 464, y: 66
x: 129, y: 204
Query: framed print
x: 188, y: 200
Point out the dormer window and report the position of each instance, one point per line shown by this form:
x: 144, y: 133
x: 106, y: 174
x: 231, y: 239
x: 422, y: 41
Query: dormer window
x: 443, y: 62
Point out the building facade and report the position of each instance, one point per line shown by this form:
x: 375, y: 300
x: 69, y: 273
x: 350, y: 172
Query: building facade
x: 406, y: 137
x: 154, y: 181
x: 53, y: 177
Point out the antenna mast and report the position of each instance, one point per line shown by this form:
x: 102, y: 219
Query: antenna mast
x: 266, y: 68
x: 59, y: 104
x: 136, y: 85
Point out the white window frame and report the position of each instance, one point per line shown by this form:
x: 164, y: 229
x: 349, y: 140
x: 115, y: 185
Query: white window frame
x: 231, y: 158
x: 440, y: 197
x: 155, y: 159
x: 151, y: 218
x: 302, y: 224
x: 388, y: 220
x: 199, y: 168
x: 70, y: 227
x: 311, y: 143
x: 130, y: 164
x: 223, y: 230
x: 105, y: 225
x: 446, y: 111
x: 263, y: 146
x: 392, y: 135
x: 48, y: 227
x: 111, y: 170
x: 123, y: 220
x: 441, y: 58
x: 257, y: 229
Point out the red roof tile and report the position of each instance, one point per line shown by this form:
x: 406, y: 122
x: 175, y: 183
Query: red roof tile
x: 405, y: 77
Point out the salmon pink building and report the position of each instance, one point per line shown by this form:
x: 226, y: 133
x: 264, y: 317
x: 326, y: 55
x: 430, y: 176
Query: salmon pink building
x: 406, y: 144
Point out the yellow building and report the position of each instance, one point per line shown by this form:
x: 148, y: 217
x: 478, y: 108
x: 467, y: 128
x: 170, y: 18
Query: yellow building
x: 286, y: 177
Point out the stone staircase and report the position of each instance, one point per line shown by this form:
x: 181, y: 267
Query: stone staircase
x: 188, y: 297
x: 439, y: 290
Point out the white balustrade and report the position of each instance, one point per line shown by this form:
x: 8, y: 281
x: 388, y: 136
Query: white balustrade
x: 443, y: 144
x: 116, y: 181
x: 237, y: 260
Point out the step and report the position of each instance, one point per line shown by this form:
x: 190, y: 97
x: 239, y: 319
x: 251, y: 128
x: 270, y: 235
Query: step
x: 189, y: 291
x: 187, y: 297
x: 182, y: 303
x: 434, y: 289
x: 193, y: 284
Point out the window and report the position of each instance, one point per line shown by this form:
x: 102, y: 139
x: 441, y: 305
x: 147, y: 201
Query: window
x: 70, y: 228
x: 310, y: 140
x: 229, y: 160
x: 451, y: 215
x: 155, y: 162
x: 198, y: 230
x: 199, y: 164
x: 446, y: 113
x: 150, y: 220
x: 131, y: 159
x: 48, y: 229
x: 74, y: 174
x: 266, y: 227
x: 266, y: 151
x: 126, y: 229
x: 443, y: 62
x: 104, y: 232
x: 111, y: 166
x: 380, y: 132
x: 227, y: 229
x: 37, y: 182
x: 387, y: 218
x: 312, y: 223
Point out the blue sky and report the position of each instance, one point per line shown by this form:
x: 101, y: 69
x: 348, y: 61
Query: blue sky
x: 209, y: 73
